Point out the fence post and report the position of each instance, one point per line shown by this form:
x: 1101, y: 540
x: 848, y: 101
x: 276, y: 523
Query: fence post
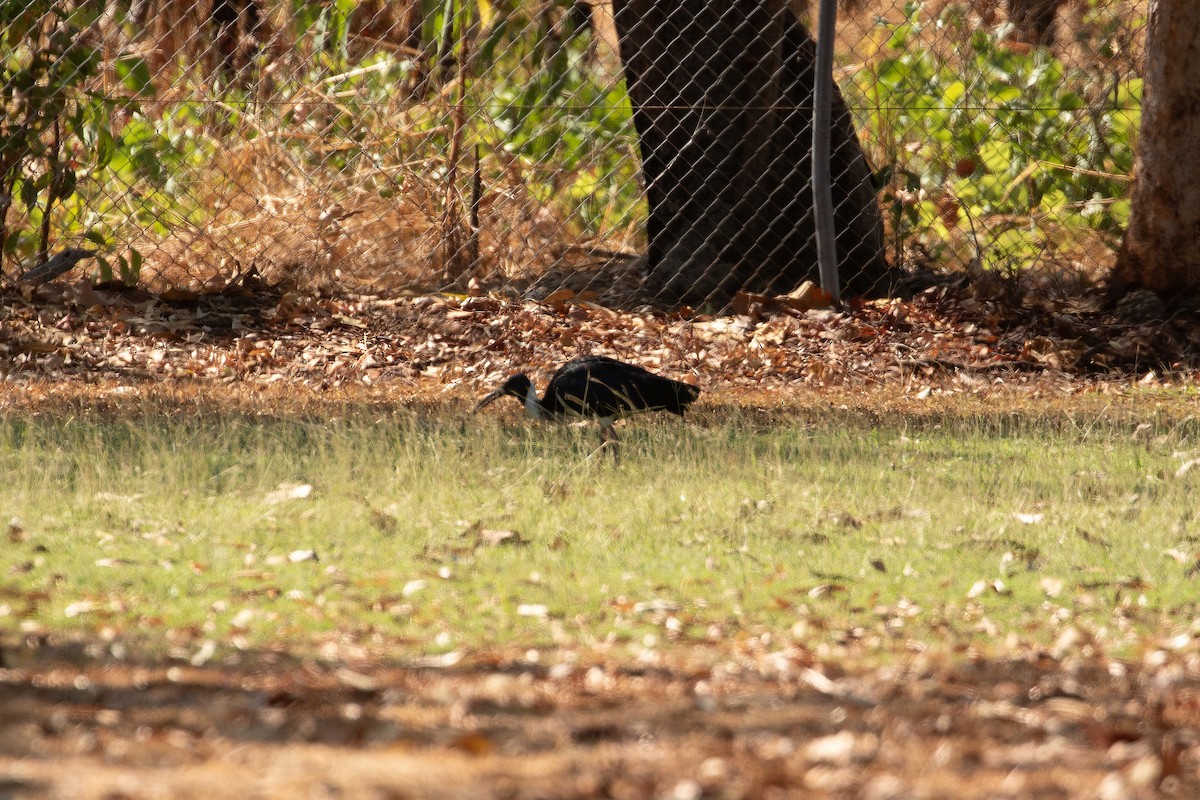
x: 822, y: 180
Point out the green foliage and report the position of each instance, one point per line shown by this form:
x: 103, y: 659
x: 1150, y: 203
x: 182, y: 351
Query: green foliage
x: 59, y: 157
x: 569, y: 127
x: 1012, y: 144
x: 1009, y: 135
x: 42, y: 61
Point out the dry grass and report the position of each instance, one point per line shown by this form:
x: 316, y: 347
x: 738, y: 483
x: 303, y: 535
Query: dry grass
x: 1048, y: 401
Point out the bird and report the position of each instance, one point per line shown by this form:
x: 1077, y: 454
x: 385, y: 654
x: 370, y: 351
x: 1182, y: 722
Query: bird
x: 599, y: 387
x: 60, y: 264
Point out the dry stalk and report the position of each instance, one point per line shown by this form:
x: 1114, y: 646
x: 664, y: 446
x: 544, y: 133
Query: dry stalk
x: 454, y: 261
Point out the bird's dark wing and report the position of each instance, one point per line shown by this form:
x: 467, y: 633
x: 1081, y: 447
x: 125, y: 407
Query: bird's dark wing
x: 60, y: 264
x: 604, y: 387
x: 589, y: 363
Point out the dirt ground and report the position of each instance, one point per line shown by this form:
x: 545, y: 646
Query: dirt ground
x: 80, y: 724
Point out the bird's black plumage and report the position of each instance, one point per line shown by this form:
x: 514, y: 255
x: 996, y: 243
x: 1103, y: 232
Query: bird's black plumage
x: 60, y: 264
x: 599, y: 387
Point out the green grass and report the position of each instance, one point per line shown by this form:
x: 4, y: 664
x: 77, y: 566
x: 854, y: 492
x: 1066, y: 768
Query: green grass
x: 825, y: 529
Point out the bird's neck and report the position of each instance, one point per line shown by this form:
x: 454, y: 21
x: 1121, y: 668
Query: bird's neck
x: 533, y: 406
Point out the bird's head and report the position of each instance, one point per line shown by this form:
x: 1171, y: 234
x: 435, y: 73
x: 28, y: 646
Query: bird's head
x: 517, y: 386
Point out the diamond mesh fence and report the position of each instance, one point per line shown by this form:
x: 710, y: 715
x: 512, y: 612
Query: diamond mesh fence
x: 630, y: 152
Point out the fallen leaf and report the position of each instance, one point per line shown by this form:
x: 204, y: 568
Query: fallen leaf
x: 841, y: 749
x: 1178, y: 555
x: 1051, y: 587
x: 113, y: 562
x: 442, y: 661
x: 473, y: 743
x: 559, y: 296
x: 204, y: 654
x: 356, y: 680
x: 655, y: 605
x: 495, y: 538
x: 981, y: 586
x: 289, y: 491
x: 809, y: 296
x: 80, y: 608
x: 383, y: 521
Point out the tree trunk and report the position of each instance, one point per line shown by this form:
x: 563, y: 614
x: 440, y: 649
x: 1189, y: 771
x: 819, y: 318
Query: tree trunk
x: 1162, y: 245
x: 722, y: 96
x: 1033, y: 20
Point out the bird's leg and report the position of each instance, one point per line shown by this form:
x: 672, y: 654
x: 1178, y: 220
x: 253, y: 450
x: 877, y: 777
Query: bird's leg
x: 610, y: 440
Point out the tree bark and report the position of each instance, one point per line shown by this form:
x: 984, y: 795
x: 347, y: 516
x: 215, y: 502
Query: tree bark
x: 1162, y: 245
x: 722, y: 96
x: 1033, y: 20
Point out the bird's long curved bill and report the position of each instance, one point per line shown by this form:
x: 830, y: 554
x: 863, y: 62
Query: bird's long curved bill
x: 488, y: 398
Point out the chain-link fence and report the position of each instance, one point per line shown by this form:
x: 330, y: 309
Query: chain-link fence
x: 629, y: 152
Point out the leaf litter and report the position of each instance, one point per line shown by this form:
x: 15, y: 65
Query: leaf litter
x: 943, y: 338
x: 751, y: 723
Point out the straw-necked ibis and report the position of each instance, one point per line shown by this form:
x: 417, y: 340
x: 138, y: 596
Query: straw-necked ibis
x: 598, y: 387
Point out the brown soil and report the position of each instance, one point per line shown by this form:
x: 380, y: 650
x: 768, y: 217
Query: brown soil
x: 90, y: 727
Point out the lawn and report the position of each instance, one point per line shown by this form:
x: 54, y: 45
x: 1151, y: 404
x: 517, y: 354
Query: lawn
x: 416, y: 534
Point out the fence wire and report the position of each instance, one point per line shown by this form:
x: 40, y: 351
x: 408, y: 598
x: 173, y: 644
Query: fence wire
x: 642, y: 152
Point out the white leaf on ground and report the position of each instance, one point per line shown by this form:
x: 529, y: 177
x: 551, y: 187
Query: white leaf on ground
x: 835, y: 749
x: 297, y: 556
x: 206, y: 651
x: 412, y: 587
x: 289, y: 491
x: 495, y: 538
x: 981, y: 586
x: 440, y: 661
x: 356, y: 680
x: 1177, y: 555
x: 1177, y: 642
x: 82, y: 607
x: 532, y: 610
x: 1070, y: 640
x: 1051, y: 587
x: 1028, y: 519
x: 686, y: 790
x: 655, y: 605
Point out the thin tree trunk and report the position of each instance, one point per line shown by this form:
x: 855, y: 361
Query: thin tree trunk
x: 723, y: 96
x: 1162, y: 245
